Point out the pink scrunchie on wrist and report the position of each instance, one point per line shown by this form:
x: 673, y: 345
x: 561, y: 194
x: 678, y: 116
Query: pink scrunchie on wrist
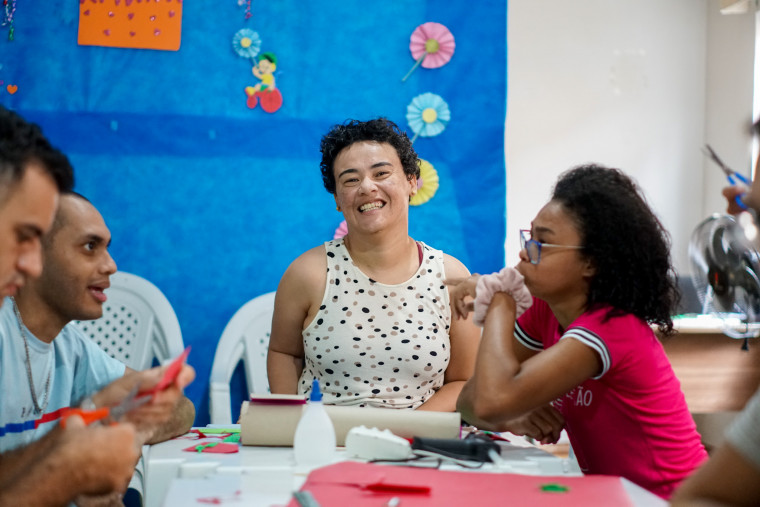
x: 507, y: 280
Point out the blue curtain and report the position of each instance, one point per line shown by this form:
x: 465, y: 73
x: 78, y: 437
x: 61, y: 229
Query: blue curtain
x: 211, y: 200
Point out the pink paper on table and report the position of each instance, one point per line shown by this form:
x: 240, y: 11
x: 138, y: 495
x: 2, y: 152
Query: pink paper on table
x: 356, y: 484
x: 214, y: 447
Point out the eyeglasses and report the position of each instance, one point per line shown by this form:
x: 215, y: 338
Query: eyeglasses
x: 533, y: 247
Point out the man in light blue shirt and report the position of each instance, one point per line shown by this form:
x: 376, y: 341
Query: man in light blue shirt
x: 53, y: 364
x: 78, y: 460
x: 32, y: 173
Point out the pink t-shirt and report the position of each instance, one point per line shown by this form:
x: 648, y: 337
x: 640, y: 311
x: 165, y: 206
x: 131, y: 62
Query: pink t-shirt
x: 631, y: 420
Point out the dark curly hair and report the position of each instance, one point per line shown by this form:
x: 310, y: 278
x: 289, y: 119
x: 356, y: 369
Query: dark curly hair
x: 624, y: 240
x: 22, y: 142
x: 379, y: 130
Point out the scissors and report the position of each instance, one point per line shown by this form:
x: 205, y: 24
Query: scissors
x: 732, y: 176
x: 90, y: 414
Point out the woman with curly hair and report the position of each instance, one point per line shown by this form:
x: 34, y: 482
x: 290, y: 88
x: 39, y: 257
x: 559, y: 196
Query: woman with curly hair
x: 368, y: 314
x: 567, y: 340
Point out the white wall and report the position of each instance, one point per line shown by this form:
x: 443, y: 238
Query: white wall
x: 625, y: 84
x: 730, y: 54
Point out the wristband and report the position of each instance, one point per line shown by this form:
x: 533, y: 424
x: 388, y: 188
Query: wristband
x: 507, y: 280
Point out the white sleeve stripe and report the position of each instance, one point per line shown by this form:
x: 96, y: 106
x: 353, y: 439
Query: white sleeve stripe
x: 595, y: 342
x: 527, y: 340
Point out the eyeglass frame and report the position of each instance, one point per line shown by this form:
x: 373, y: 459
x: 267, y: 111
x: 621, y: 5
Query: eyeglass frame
x: 539, y: 245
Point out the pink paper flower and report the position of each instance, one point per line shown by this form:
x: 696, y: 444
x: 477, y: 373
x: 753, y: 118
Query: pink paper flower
x: 432, y: 45
x: 433, y: 41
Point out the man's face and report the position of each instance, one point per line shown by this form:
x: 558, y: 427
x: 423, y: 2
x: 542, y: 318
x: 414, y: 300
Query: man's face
x: 26, y: 213
x: 77, y: 265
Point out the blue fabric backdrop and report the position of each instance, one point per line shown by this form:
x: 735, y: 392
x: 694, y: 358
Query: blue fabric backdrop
x: 211, y: 200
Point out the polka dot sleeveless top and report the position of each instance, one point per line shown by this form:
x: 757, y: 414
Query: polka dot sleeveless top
x: 379, y: 345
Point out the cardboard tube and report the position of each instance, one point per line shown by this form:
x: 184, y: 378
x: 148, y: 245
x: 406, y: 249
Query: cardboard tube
x: 275, y: 425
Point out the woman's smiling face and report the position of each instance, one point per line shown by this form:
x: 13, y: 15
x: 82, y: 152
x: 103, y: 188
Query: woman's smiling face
x: 372, y: 189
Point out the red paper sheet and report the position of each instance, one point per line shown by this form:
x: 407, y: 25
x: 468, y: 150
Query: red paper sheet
x: 170, y: 373
x: 347, y: 483
x: 214, y: 447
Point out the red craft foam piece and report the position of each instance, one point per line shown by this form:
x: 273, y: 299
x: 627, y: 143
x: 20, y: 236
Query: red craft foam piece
x: 170, y: 374
x: 214, y: 447
x: 358, y: 484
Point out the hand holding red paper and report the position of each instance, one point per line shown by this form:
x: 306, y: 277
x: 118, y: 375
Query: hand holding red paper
x: 170, y: 376
x: 161, y: 386
x: 164, y: 385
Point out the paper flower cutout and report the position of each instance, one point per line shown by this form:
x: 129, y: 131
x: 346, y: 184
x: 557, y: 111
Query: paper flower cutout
x: 427, y: 115
x: 246, y: 43
x: 432, y: 45
x: 341, y: 231
x: 427, y: 184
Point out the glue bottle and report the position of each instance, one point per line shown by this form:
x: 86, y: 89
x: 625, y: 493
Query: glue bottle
x: 314, y: 441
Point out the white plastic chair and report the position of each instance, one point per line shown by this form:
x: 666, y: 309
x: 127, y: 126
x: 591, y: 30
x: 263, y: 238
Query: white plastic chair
x: 138, y: 323
x: 246, y: 338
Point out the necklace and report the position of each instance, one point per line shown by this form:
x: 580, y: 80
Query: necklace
x: 46, y: 399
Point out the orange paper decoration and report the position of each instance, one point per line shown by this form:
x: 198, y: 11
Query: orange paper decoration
x: 142, y: 24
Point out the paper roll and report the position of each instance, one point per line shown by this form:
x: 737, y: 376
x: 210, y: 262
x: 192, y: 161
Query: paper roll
x: 275, y: 425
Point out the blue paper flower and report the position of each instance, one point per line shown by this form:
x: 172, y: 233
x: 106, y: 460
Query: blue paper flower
x: 427, y: 115
x: 246, y: 43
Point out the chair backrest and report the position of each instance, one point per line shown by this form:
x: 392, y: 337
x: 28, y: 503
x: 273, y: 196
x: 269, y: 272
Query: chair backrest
x: 138, y: 323
x: 246, y: 338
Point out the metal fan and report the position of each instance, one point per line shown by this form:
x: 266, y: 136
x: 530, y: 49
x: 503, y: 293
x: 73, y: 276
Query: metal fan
x: 725, y: 267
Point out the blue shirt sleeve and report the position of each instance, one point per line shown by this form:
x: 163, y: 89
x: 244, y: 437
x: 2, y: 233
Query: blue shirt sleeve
x: 94, y: 368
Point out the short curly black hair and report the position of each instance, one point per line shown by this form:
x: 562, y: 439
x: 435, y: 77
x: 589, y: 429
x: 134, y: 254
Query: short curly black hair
x: 379, y: 130
x: 22, y: 142
x: 624, y: 240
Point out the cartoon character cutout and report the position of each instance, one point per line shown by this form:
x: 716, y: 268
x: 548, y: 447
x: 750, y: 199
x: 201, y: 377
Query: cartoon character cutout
x: 266, y: 91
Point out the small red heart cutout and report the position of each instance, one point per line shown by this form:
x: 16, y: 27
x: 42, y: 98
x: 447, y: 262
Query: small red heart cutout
x: 12, y: 88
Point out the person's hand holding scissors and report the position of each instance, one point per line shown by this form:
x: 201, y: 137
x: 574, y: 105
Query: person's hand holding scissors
x: 736, y: 194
